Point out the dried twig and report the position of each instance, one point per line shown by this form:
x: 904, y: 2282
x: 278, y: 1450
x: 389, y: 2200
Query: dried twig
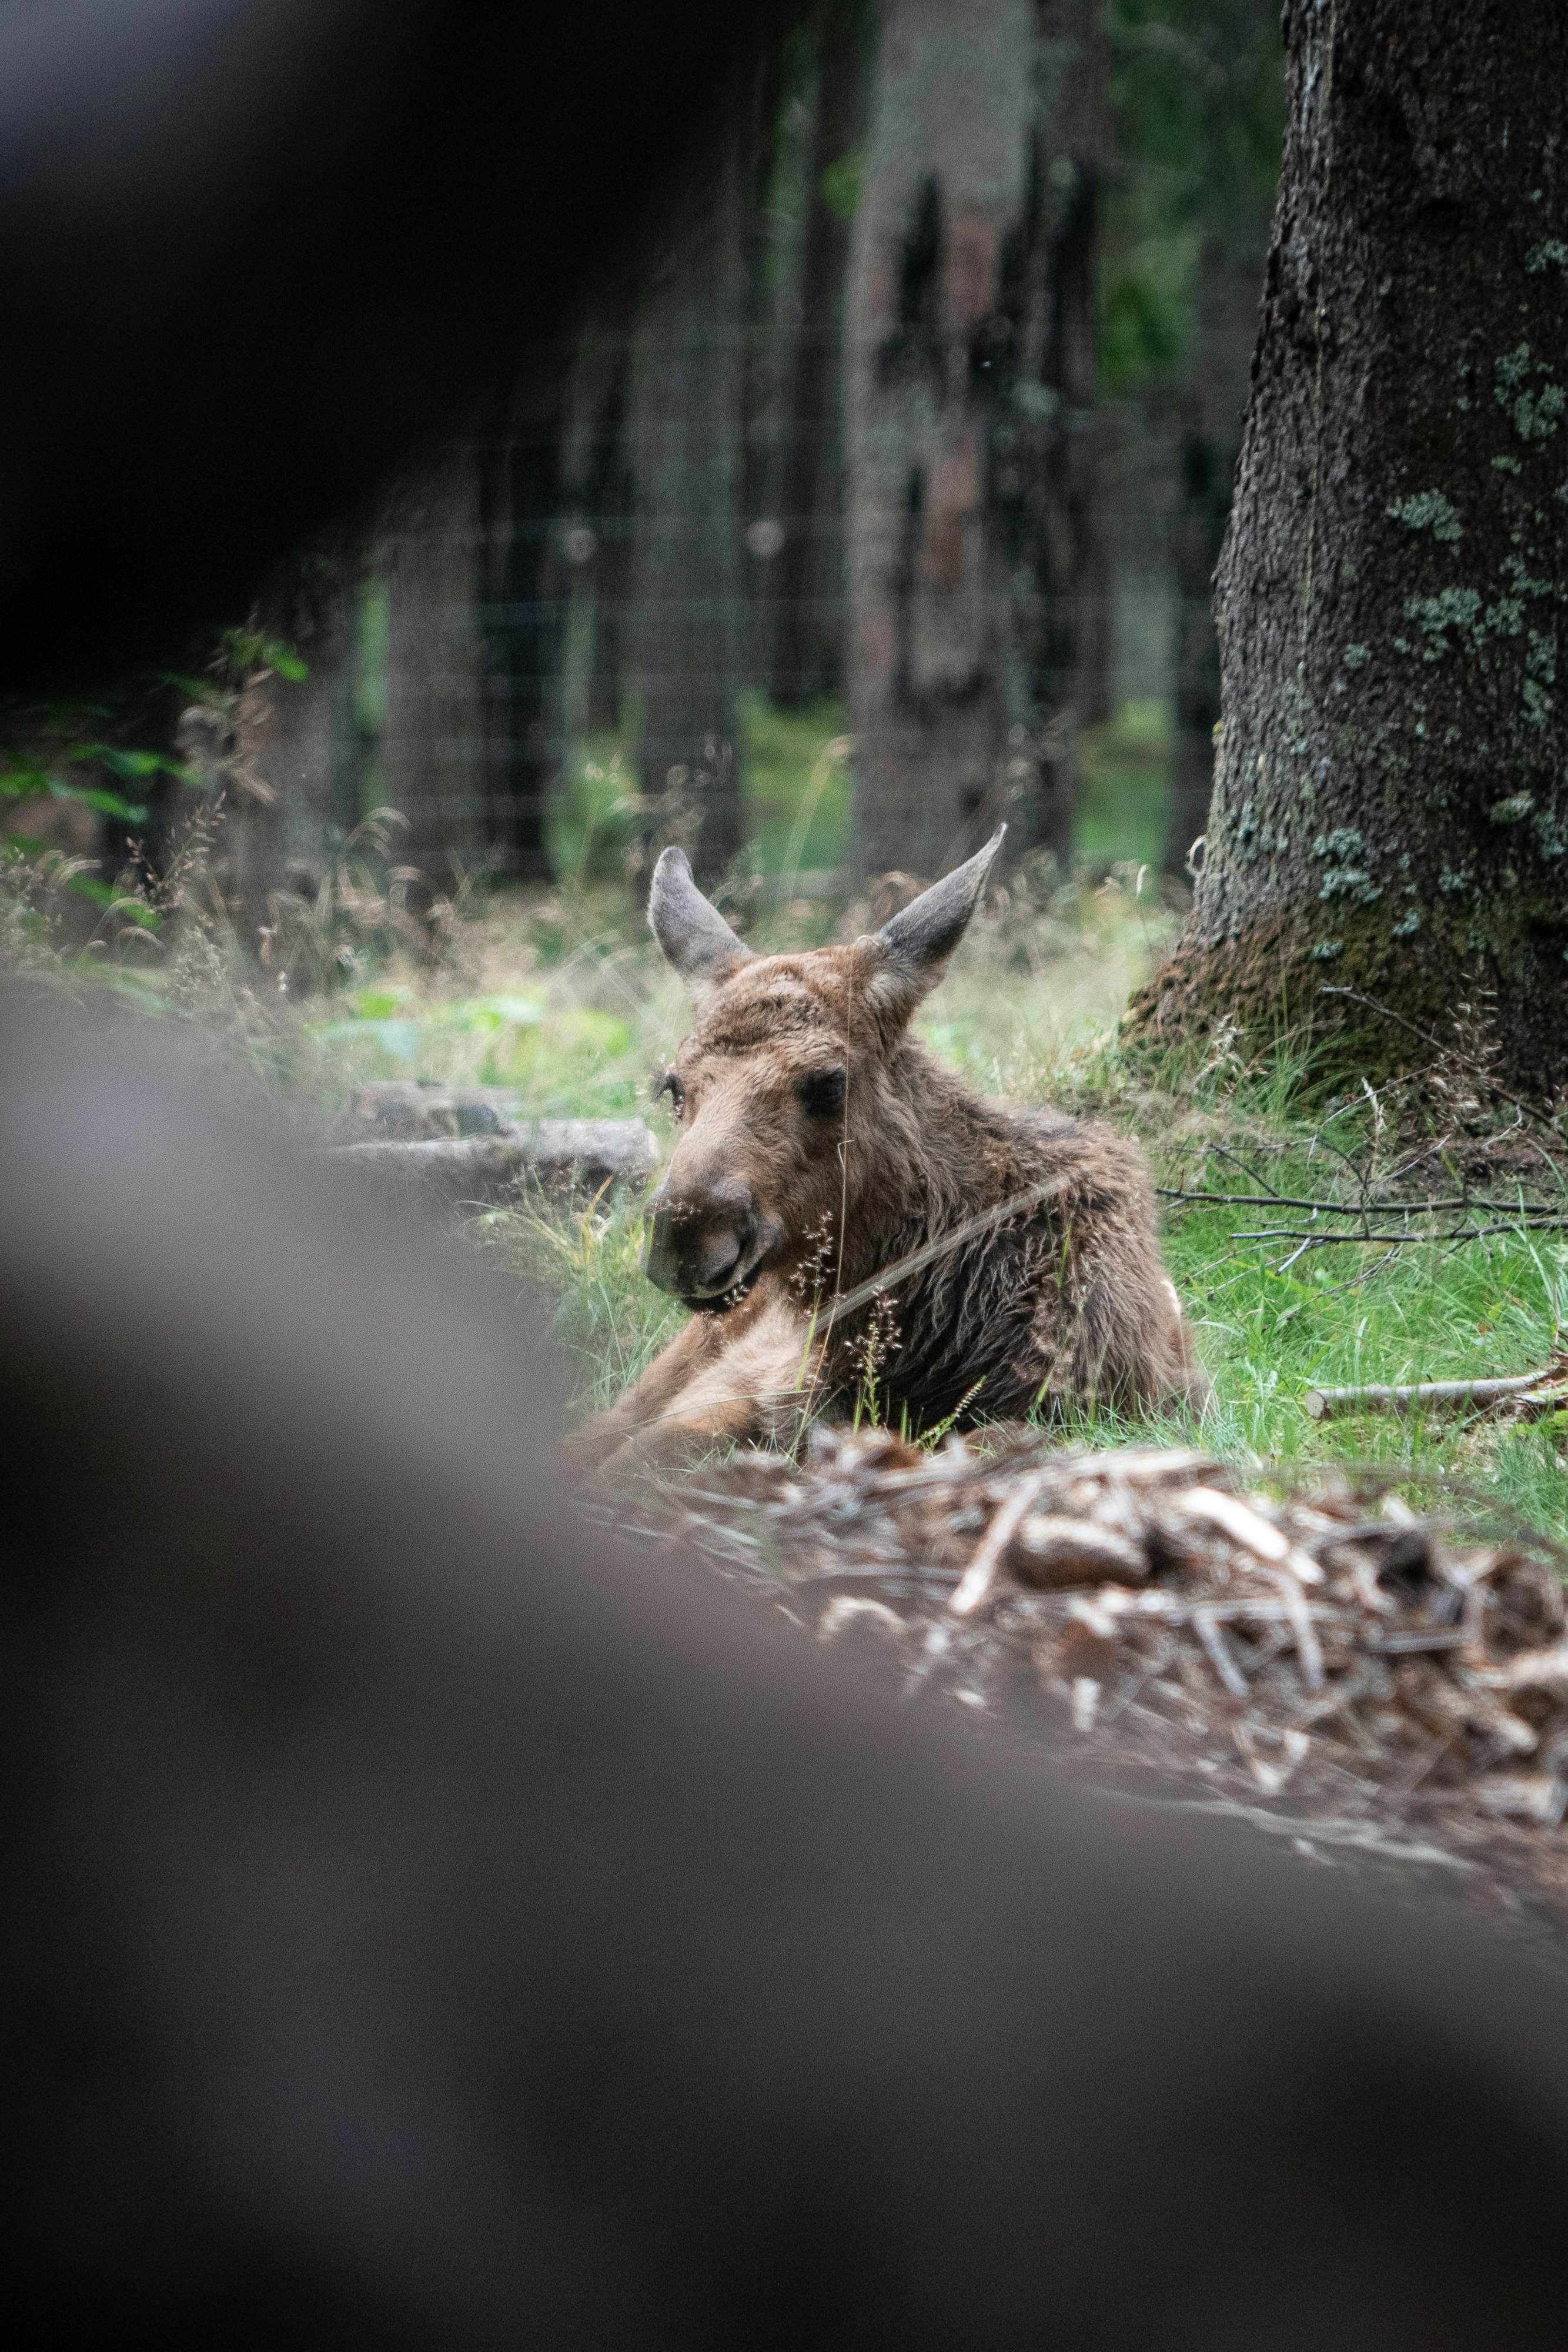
x: 977, y: 1581
x: 1421, y: 1396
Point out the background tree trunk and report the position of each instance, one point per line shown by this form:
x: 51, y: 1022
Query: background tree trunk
x: 596, y: 499
x: 1045, y: 445
x: 1197, y: 536
x: 809, y: 643
x: 287, y: 777
x: 973, y: 570
x: 1207, y: 445
x: 1391, y: 811
x: 684, y: 436
x: 434, y: 745
x: 521, y: 626
x: 945, y: 181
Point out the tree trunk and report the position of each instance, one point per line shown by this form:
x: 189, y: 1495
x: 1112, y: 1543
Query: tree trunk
x: 969, y: 369
x: 1197, y: 535
x: 1046, y: 445
x: 432, y: 747
x: 684, y: 436
x: 286, y: 774
x: 521, y: 628
x: 600, y: 496
x: 1207, y: 445
x: 1390, y: 814
x: 806, y: 653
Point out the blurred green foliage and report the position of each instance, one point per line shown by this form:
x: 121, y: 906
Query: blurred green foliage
x: 1198, y: 118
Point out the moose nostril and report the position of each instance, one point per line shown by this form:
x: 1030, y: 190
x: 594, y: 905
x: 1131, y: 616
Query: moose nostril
x: 723, y: 1254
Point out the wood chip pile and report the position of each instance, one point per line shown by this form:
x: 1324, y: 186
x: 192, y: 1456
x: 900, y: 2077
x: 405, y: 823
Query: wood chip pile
x: 1325, y: 1659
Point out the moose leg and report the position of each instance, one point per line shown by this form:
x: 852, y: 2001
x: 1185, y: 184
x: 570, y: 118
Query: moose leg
x: 720, y: 1385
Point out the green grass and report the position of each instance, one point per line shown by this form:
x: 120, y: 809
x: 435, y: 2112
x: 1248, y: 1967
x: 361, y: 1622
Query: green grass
x: 1121, y: 816
x: 1028, y: 1012
x: 797, y: 784
x: 1266, y: 1336
x: 1343, y: 1317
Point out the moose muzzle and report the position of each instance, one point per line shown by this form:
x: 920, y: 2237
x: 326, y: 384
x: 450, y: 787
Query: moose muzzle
x: 706, y: 1243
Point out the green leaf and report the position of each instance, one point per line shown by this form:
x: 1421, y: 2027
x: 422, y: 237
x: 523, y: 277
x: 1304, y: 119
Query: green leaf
x: 21, y: 784
x: 107, y: 804
x: 286, y: 662
x: 103, y: 894
x: 122, y: 763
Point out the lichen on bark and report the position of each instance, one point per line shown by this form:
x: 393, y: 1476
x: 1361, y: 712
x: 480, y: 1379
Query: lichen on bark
x: 1390, y: 814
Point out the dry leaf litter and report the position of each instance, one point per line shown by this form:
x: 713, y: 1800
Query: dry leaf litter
x: 1323, y: 1661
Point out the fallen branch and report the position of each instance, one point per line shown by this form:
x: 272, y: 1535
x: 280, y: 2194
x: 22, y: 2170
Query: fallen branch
x: 561, y: 1154
x: 1532, y: 1221
x: 1322, y: 1404
x: 1358, y: 1212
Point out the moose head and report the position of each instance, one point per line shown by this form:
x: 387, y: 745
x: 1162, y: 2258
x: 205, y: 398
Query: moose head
x: 788, y: 1088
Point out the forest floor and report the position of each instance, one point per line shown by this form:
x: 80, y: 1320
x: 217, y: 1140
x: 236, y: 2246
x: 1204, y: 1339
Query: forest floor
x: 1365, y: 1237
x: 1410, y: 1749
x: 1269, y: 1194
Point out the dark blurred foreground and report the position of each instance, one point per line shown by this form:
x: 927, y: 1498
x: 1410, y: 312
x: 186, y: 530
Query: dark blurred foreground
x: 424, y: 1925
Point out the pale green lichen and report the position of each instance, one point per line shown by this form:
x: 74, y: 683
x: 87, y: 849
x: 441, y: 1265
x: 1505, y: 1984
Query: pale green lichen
x: 1551, y: 253
x: 1548, y: 836
x: 1523, y: 581
x: 1408, y: 924
x: 1428, y: 511
x: 1534, y: 412
x: 1451, y: 608
x: 1456, y: 880
x: 1357, y: 656
x: 1508, y: 464
x: 1511, y: 810
x: 1327, y: 951
x: 1343, y: 878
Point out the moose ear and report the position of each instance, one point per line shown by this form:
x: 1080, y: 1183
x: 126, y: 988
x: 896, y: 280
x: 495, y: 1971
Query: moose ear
x: 914, y: 950
x: 692, y: 934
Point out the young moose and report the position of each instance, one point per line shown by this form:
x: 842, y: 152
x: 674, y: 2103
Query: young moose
x: 820, y: 1149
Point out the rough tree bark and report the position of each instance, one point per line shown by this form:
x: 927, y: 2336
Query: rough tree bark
x: 683, y: 434
x: 969, y: 365
x: 1391, y: 806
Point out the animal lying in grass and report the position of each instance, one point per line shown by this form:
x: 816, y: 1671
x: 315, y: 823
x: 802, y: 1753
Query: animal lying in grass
x: 821, y: 1149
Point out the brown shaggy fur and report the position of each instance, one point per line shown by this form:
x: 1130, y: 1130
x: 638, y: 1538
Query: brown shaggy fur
x: 1062, y: 1303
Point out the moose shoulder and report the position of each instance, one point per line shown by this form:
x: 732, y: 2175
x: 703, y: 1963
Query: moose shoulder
x: 821, y: 1151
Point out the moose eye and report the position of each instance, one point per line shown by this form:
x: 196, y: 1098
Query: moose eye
x: 670, y: 1085
x: 822, y: 1092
